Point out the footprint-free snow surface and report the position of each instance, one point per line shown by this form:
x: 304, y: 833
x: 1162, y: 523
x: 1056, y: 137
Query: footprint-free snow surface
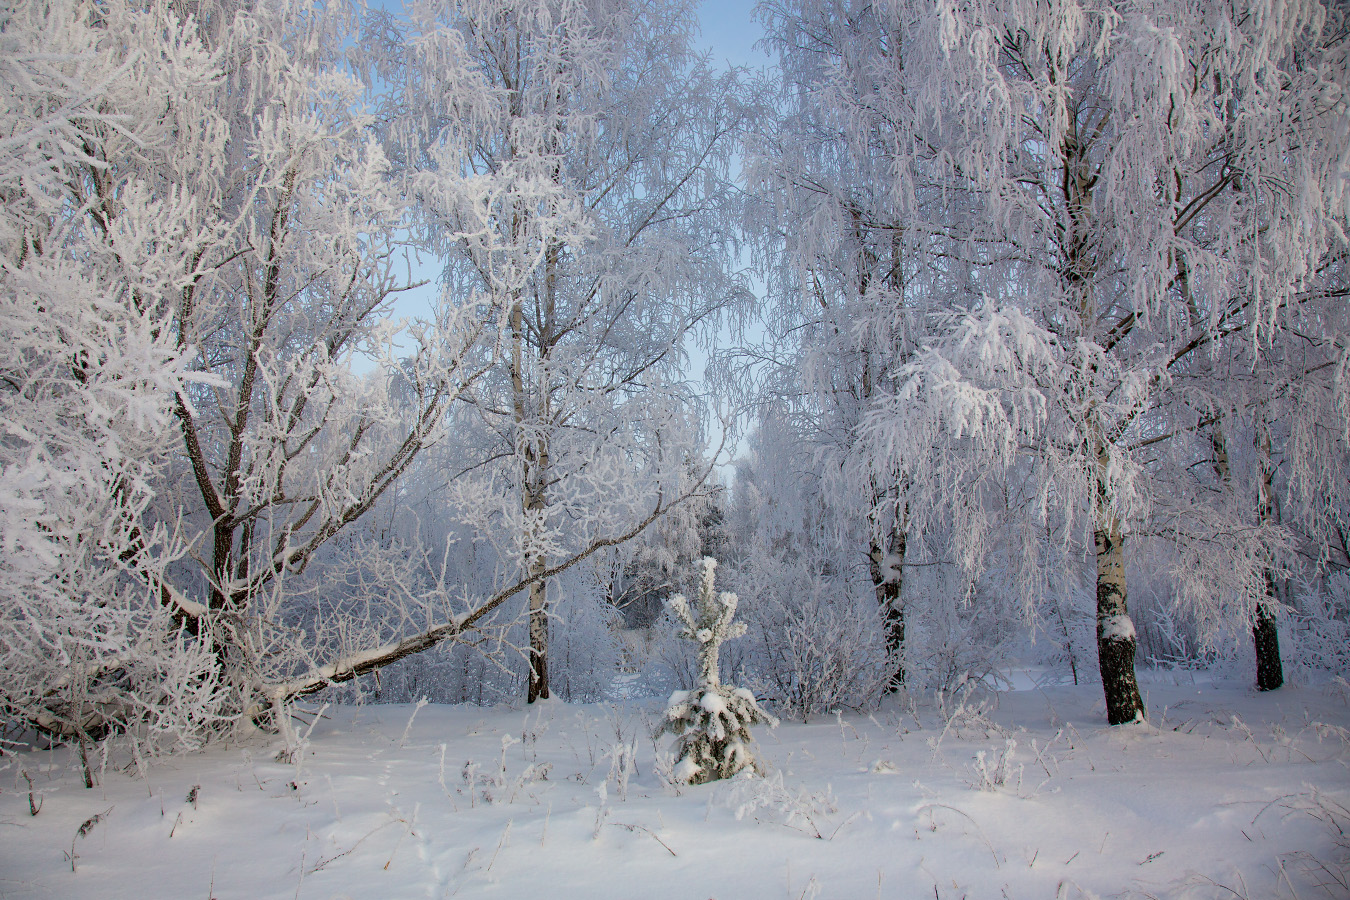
x: 1021, y: 794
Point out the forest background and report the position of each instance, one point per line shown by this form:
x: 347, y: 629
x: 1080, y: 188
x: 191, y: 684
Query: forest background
x: 1032, y: 321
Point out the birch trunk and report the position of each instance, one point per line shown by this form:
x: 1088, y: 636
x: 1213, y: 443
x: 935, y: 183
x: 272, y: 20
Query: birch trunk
x: 534, y: 420
x: 538, y: 686
x: 533, y: 474
x: 887, y: 569
x: 1115, y: 631
x: 1116, y: 639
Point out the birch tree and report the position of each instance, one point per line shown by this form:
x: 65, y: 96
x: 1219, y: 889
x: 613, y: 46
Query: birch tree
x: 289, y: 446
x: 93, y: 251
x: 601, y: 144
x: 1276, y: 446
x: 853, y: 280
x: 1154, y: 181
x: 202, y: 193
x: 200, y: 224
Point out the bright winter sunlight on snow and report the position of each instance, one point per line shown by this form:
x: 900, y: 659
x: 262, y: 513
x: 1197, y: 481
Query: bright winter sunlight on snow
x: 818, y: 450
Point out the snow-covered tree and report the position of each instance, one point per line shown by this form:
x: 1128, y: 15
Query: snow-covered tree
x: 843, y: 271
x: 199, y: 222
x: 713, y: 720
x: 1155, y: 182
x: 285, y: 445
x: 94, y: 251
x: 601, y: 145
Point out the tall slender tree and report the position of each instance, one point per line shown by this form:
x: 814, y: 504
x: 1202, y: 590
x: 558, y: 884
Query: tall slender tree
x: 603, y: 236
x: 844, y: 270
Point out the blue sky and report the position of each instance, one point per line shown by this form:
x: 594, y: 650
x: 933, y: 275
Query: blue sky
x: 730, y: 30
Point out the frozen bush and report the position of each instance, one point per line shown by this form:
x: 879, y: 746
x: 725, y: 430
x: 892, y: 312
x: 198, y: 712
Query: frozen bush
x: 962, y: 631
x: 1319, y: 628
x: 816, y: 646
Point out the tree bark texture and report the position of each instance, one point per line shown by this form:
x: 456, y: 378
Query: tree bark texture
x: 534, y: 416
x: 1115, y: 645
x: 538, y: 687
x: 886, y: 565
x: 1266, y: 636
x: 1265, y: 632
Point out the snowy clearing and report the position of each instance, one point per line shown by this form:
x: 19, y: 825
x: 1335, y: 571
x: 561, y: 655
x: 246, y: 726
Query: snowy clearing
x: 1022, y: 794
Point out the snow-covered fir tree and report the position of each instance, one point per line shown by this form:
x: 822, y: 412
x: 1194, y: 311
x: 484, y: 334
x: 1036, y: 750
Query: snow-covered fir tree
x: 713, y: 720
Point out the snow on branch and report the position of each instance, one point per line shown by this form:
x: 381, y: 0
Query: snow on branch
x: 713, y: 720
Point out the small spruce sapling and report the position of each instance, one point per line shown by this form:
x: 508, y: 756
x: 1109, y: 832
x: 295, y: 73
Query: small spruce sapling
x: 712, y: 721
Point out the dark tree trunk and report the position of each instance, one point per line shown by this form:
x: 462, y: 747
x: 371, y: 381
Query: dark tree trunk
x: 886, y: 564
x: 1265, y: 636
x: 538, y: 689
x: 1269, y: 669
x: 895, y: 643
x: 538, y: 686
x: 1115, y: 636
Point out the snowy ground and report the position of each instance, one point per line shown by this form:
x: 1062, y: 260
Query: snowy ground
x: 1023, y: 794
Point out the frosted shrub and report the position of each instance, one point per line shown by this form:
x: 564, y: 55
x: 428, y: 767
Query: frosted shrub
x: 769, y: 799
x: 1319, y: 629
x: 817, y: 645
x: 958, y: 636
x: 713, y: 720
x: 995, y: 770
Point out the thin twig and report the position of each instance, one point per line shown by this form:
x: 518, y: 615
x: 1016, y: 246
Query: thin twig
x: 644, y: 828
